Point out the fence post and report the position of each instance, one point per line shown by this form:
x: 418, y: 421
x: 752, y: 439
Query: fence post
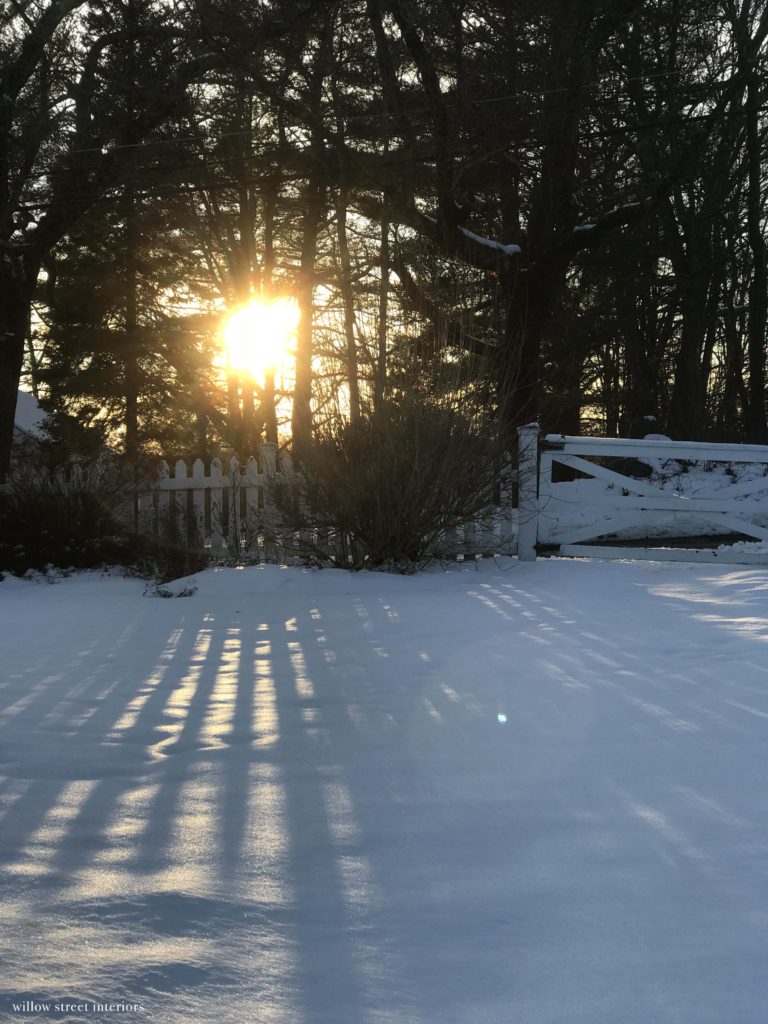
x: 527, y: 491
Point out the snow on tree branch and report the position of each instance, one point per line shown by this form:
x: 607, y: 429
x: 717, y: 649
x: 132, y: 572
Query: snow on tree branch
x: 508, y: 250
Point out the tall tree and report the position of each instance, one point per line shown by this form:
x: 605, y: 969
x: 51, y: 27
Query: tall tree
x: 63, y: 142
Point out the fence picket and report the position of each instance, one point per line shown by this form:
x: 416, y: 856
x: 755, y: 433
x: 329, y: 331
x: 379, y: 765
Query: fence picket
x: 196, y: 525
x: 252, y: 483
x: 163, y: 500
x: 270, y: 469
x: 217, y: 507
x: 178, y: 503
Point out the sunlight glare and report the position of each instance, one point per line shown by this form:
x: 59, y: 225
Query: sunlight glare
x: 258, y: 336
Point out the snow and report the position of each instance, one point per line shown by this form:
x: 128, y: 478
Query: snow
x: 624, y: 206
x: 756, y: 547
x: 582, y: 502
x: 29, y: 416
x: 509, y: 250
x: 528, y: 792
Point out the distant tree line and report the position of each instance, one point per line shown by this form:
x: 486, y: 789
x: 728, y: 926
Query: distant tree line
x: 569, y: 199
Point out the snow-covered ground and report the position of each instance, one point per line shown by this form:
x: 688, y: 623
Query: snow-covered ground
x: 468, y: 797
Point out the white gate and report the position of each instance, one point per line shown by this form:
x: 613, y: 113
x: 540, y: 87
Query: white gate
x: 621, y: 506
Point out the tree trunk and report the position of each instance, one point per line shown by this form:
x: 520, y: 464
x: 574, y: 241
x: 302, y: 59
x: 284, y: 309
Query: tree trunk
x: 534, y: 296
x: 536, y: 293
x: 520, y: 364
x: 131, y: 339
x: 233, y: 402
x: 248, y: 440
x: 687, y: 413
x: 561, y: 403
x: 348, y: 299
x: 691, y: 258
x: 314, y: 211
x: 301, y: 419
x: 380, y: 382
x: 757, y: 426
x: 268, y: 407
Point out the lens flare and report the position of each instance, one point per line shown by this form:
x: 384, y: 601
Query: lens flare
x: 258, y: 336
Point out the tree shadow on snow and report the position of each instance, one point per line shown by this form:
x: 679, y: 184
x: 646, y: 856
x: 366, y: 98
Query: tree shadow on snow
x: 342, y: 812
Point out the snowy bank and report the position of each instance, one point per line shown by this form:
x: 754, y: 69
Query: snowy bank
x: 302, y: 797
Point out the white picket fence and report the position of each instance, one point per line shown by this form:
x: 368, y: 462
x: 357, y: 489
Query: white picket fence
x: 230, y: 509
x: 551, y: 518
x: 224, y: 509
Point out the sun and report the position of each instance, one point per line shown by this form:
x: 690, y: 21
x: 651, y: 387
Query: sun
x: 258, y: 336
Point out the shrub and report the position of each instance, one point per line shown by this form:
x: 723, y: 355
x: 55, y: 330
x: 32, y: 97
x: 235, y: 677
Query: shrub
x: 66, y: 518
x: 79, y: 516
x: 165, y: 561
x: 397, y: 480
